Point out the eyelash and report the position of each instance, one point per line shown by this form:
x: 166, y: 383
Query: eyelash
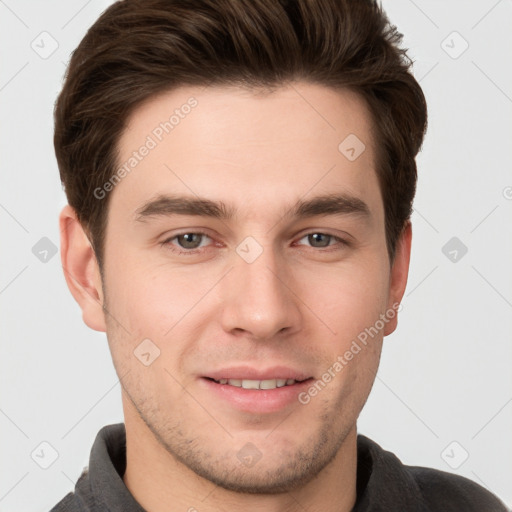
x: 167, y: 243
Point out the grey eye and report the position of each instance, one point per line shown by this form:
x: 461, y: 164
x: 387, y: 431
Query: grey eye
x: 190, y: 240
x: 319, y: 239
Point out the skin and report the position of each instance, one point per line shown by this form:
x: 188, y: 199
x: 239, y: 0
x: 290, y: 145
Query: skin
x: 299, y: 304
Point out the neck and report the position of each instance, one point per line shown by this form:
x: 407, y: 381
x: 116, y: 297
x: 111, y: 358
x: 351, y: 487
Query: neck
x: 161, y: 483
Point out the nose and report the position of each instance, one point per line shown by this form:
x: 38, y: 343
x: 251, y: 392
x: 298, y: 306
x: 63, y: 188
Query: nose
x: 259, y: 301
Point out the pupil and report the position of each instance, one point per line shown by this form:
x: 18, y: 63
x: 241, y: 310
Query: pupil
x: 189, y: 242
x: 317, y: 237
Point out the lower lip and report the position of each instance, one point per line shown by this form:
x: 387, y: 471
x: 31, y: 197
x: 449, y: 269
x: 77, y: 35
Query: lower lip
x: 257, y: 400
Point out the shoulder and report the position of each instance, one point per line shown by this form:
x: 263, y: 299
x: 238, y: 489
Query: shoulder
x: 450, y: 492
x: 385, y: 483
x: 101, y: 486
x: 80, y: 500
x: 67, y: 504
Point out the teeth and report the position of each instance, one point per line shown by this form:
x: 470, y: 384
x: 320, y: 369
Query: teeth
x: 251, y: 384
x: 257, y: 384
x: 268, y: 384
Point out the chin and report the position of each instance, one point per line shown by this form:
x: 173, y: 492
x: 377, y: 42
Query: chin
x: 264, y: 466
x: 263, y: 478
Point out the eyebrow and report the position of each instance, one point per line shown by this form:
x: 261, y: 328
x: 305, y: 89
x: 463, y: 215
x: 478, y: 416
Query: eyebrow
x: 329, y: 204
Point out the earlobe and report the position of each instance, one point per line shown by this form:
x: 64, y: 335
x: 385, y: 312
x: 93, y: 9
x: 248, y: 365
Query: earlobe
x: 398, y: 276
x: 81, y: 269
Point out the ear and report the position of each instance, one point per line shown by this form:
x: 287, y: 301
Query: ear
x: 399, y: 274
x: 81, y: 269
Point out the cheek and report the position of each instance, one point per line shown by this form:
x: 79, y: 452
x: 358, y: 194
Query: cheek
x: 347, y: 299
x: 150, y: 300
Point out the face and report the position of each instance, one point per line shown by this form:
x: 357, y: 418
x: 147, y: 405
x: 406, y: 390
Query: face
x: 245, y: 255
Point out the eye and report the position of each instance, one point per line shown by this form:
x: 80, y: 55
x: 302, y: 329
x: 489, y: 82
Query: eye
x: 187, y: 242
x: 192, y: 242
x: 320, y: 240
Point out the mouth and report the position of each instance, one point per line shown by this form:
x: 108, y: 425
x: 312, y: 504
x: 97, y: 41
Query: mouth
x: 253, y: 391
x: 258, y: 384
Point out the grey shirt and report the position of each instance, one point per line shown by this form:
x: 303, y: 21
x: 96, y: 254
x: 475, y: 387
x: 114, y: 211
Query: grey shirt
x: 383, y: 483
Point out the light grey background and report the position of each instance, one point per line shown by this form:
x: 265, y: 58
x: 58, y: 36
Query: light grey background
x: 444, y: 389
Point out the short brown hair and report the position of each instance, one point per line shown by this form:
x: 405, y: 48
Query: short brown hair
x: 139, y: 48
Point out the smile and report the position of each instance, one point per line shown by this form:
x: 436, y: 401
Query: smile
x: 257, y: 384
x: 263, y: 395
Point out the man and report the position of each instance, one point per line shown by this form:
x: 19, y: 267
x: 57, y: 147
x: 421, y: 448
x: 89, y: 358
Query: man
x: 240, y: 177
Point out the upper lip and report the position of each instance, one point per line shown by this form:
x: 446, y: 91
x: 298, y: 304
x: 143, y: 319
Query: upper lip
x: 251, y: 373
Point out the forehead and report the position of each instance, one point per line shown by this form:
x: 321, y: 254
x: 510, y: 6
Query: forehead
x: 248, y: 148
